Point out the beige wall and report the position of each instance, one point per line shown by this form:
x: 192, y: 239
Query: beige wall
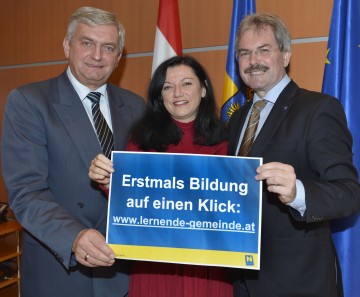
x: 32, y: 32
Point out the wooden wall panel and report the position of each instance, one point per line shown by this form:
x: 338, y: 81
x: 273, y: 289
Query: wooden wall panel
x: 39, y: 35
x: 304, y: 18
x: 133, y: 74
x: 205, y: 23
x: 307, y: 64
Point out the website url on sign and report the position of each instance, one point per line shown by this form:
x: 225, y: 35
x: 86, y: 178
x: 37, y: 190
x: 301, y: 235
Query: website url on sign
x: 178, y: 223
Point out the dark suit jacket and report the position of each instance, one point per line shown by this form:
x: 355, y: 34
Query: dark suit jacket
x: 307, y: 130
x: 48, y: 143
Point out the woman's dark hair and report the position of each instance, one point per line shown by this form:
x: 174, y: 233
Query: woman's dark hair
x: 156, y: 130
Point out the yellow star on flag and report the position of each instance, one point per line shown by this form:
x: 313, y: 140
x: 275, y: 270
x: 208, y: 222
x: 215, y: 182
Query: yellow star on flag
x: 327, y: 61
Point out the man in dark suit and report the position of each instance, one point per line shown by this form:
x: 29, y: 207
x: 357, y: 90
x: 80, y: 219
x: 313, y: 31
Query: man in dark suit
x: 307, y: 170
x: 48, y: 142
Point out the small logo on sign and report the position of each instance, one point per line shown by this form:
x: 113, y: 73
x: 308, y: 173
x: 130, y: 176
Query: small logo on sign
x: 249, y: 260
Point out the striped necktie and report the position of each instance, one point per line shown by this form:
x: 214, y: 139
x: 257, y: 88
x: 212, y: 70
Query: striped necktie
x: 102, y: 129
x: 250, y: 131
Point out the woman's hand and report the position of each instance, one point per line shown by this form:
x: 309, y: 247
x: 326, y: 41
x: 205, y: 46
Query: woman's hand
x: 101, y: 169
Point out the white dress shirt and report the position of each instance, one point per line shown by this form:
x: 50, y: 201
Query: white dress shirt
x: 83, y: 91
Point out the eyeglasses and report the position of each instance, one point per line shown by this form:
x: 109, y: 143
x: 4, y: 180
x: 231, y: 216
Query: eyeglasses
x: 260, y: 53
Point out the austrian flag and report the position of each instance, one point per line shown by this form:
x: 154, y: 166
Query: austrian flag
x: 168, y: 33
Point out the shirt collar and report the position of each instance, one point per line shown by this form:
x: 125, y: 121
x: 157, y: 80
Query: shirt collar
x: 80, y: 89
x: 274, y: 93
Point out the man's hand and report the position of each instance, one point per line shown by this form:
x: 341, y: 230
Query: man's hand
x: 280, y: 179
x: 91, y: 249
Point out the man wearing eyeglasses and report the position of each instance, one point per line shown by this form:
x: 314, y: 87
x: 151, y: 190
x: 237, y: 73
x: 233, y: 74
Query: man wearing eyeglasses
x: 308, y: 173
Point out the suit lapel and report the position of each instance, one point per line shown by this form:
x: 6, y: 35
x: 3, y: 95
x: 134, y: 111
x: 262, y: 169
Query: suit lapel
x: 122, y: 115
x: 76, y: 121
x: 274, y: 120
x: 117, y: 117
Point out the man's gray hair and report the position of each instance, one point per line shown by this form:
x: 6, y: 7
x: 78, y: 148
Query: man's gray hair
x: 262, y: 20
x: 92, y: 17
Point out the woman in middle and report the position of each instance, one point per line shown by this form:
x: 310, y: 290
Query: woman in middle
x: 181, y: 117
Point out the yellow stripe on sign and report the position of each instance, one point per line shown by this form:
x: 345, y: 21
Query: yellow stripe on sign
x: 186, y: 256
x: 230, y: 89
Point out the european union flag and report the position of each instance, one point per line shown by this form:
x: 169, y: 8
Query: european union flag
x: 342, y: 82
x: 234, y: 92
